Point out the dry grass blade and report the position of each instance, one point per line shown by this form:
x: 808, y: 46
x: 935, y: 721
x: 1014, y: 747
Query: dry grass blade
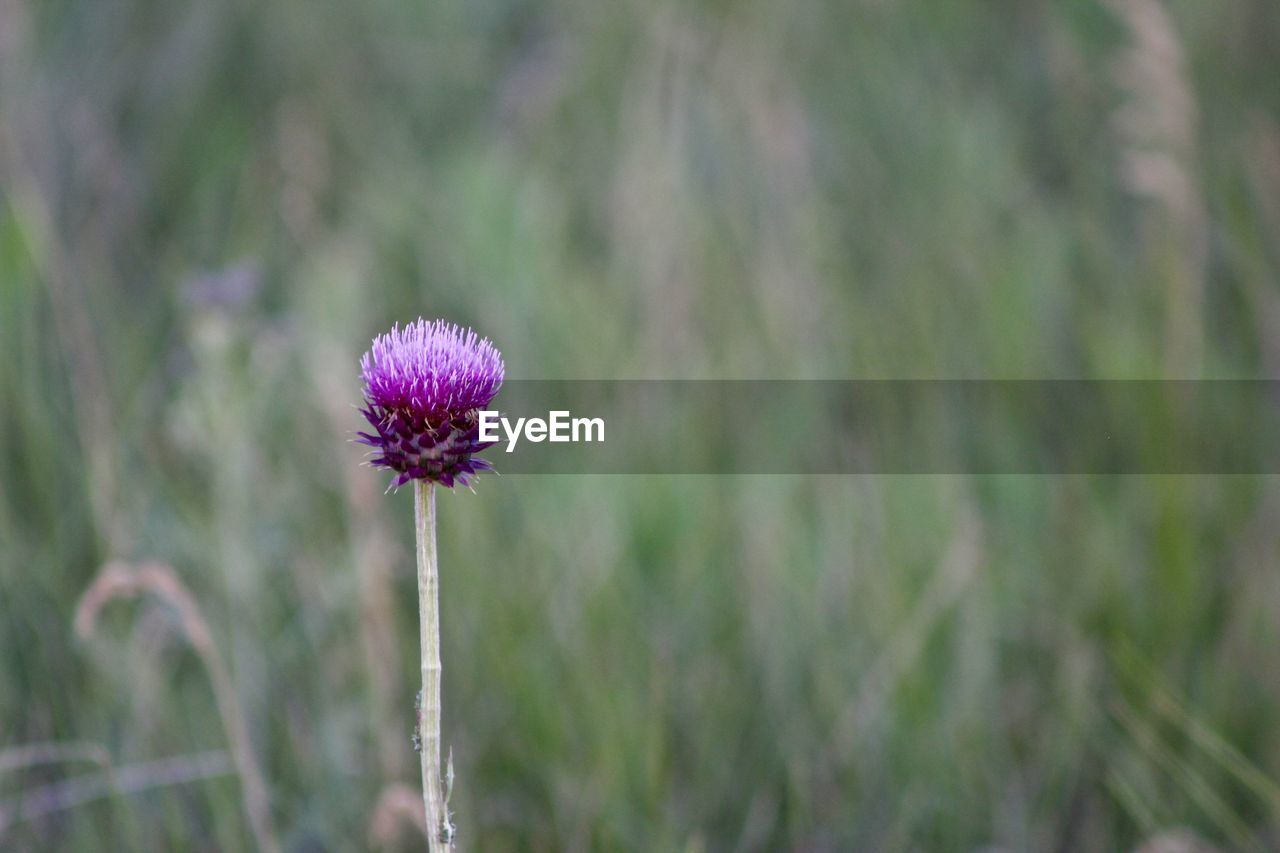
x: 118, y: 580
x: 1166, y: 705
x: 1157, y: 126
x: 53, y: 752
x: 1213, y: 745
x: 956, y: 570
x: 130, y: 779
x: 1199, y: 789
x: 1177, y: 840
x: 398, y: 805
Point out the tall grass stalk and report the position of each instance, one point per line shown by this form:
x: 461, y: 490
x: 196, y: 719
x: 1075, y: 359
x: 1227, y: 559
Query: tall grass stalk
x: 120, y: 580
x: 439, y: 826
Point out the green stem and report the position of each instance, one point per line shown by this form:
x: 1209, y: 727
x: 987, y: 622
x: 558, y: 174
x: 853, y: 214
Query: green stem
x: 439, y: 827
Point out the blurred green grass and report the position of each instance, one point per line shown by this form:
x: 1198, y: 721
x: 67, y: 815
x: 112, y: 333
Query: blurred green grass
x: 207, y: 209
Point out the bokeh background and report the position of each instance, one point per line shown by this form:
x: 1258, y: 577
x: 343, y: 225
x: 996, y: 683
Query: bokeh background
x: 207, y: 624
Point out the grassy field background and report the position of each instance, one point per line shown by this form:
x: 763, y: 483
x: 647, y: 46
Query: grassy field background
x: 208, y: 208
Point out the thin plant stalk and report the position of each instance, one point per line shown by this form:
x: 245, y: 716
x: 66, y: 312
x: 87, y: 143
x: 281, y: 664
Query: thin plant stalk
x: 119, y: 580
x: 423, y: 387
x: 439, y: 827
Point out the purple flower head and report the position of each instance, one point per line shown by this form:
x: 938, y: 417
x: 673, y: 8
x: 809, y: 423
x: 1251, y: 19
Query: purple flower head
x: 423, y: 387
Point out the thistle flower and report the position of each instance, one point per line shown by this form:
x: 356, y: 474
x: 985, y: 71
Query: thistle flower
x: 423, y: 387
